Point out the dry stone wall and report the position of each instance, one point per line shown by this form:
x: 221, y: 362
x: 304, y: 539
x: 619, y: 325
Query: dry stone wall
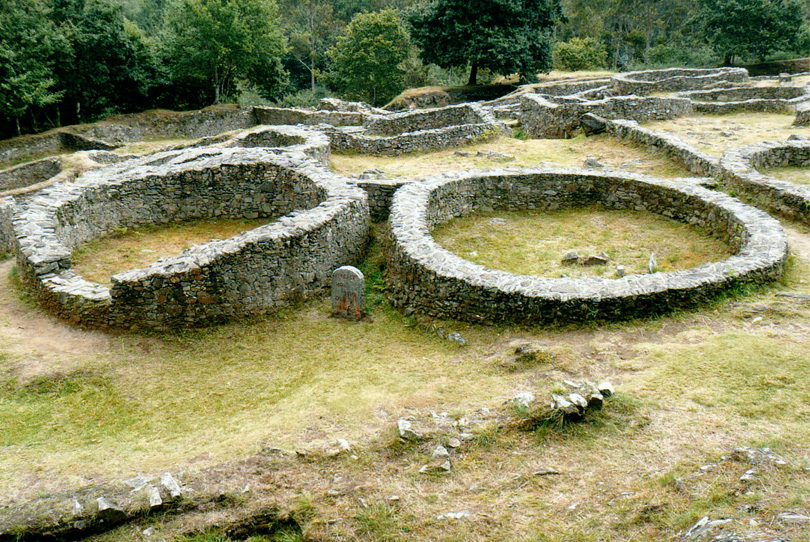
x: 643, y: 83
x: 542, y: 118
x: 30, y: 173
x: 776, y: 99
x: 316, y: 223
x: 423, y: 276
x: 416, y: 131
x: 802, y: 114
x: 7, y: 237
x: 739, y: 170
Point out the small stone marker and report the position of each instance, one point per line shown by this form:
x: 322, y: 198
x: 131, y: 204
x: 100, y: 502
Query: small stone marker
x: 348, y: 293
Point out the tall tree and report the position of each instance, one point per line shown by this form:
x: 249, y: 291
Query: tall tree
x: 28, y: 40
x: 506, y: 36
x: 215, y: 43
x: 366, y: 60
x: 750, y: 27
x: 311, y: 29
x: 104, y: 66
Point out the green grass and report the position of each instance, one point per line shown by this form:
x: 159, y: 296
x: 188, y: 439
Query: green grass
x: 797, y: 175
x: 533, y: 243
x: 526, y: 153
x: 715, y: 134
x: 127, y: 249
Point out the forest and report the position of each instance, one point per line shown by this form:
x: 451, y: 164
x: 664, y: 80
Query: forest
x: 64, y: 62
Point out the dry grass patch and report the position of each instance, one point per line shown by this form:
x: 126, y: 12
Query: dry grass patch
x: 100, y: 259
x: 526, y: 153
x: 533, y: 243
x: 715, y: 134
x: 798, y: 175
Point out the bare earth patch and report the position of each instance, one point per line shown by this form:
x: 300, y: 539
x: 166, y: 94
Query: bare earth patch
x: 715, y: 134
x: 534, y: 243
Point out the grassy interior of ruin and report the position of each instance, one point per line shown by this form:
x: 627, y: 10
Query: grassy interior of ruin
x: 78, y: 407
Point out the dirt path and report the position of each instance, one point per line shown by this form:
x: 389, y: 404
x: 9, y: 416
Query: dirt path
x: 41, y: 344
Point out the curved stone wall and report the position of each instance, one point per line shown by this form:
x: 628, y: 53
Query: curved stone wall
x: 310, y: 142
x: 645, y: 82
x: 423, y: 276
x: 415, y: 131
x: 695, y: 160
x: 542, y: 118
x: 762, y: 99
x: 739, y: 171
x: 316, y: 222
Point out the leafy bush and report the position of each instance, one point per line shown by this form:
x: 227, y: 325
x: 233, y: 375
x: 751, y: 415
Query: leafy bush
x: 579, y: 54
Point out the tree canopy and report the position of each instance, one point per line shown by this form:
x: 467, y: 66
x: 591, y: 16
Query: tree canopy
x: 506, y: 36
x: 215, y: 43
x: 366, y: 60
x: 750, y: 27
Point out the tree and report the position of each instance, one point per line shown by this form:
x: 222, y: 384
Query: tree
x: 312, y: 29
x: 506, y: 36
x: 28, y: 40
x: 366, y: 60
x: 750, y: 27
x: 105, y: 65
x: 214, y: 43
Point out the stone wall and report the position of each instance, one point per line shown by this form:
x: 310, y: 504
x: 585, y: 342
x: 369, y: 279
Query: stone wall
x: 380, y: 195
x: 31, y: 173
x: 695, y: 160
x: 284, y: 115
x: 316, y: 223
x: 802, y: 114
x: 642, y: 83
x: 542, y: 118
x: 170, y: 124
x: 427, y: 119
x: 423, y: 276
x: 762, y: 99
x: 310, y: 142
x: 422, y: 141
x: 7, y: 237
x: 739, y: 171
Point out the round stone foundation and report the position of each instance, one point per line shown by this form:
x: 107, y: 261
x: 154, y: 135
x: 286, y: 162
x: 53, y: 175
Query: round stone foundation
x: 316, y: 223
x: 423, y: 276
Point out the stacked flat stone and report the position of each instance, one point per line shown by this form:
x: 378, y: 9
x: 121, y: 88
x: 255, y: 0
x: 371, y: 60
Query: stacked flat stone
x: 7, y: 235
x: 643, y: 83
x: 802, y: 114
x: 414, y: 131
x: 740, y: 171
x: 422, y: 275
x: 735, y: 99
x: 316, y: 222
x: 559, y: 117
x: 692, y: 158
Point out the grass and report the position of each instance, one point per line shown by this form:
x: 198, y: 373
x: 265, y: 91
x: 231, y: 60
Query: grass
x: 715, y: 134
x: 797, y: 175
x: 79, y: 407
x: 526, y: 153
x: 127, y: 249
x: 533, y: 243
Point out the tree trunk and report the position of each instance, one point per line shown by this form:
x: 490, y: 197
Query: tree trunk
x: 473, y: 74
x: 312, y: 75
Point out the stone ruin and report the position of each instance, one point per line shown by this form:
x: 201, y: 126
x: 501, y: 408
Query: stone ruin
x: 272, y: 163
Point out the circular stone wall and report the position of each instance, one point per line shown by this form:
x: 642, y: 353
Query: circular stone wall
x: 674, y: 79
x: 423, y: 276
x: 316, y: 223
x: 739, y: 170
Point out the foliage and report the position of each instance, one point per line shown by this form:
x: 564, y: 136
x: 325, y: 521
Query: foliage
x: 506, y: 36
x: 579, y: 54
x: 749, y: 27
x: 214, y: 43
x: 366, y: 60
x: 28, y: 39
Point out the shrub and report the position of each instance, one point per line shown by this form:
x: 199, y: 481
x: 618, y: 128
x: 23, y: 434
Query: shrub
x: 579, y: 54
